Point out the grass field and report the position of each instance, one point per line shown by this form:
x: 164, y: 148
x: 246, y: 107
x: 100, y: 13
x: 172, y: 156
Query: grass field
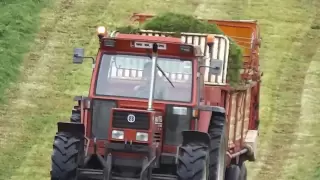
x: 48, y: 80
x: 19, y: 23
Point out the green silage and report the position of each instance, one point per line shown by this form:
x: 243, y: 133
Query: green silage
x: 178, y: 23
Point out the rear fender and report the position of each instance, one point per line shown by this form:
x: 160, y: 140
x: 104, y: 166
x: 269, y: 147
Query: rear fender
x: 78, y: 99
x: 76, y: 129
x: 84, y: 103
x: 206, y: 114
x: 193, y: 138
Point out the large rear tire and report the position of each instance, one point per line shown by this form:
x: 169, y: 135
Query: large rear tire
x: 75, y: 116
x: 65, y: 157
x: 218, y: 150
x: 195, y: 162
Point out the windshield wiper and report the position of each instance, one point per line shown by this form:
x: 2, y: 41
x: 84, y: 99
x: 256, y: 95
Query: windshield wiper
x: 162, y: 72
x: 164, y: 75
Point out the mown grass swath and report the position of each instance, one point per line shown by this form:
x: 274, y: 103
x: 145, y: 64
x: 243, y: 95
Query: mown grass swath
x: 19, y: 22
x: 172, y: 22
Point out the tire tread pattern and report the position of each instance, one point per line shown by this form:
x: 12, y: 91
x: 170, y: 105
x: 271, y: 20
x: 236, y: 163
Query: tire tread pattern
x: 75, y: 116
x: 190, y: 162
x: 193, y: 156
x: 216, y: 130
x: 64, y: 157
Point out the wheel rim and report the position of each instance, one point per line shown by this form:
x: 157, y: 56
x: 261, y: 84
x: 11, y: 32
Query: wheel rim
x: 221, y: 163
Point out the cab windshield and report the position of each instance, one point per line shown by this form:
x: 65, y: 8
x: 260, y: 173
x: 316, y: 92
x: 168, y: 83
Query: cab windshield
x: 129, y: 76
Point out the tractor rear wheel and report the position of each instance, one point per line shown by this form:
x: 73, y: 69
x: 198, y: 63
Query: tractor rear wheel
x: 65, y: 157
x: 75, y: 116
x: 218, y: 137
x: 197, y: 163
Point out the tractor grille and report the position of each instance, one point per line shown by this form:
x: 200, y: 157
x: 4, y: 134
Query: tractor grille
x: 141, y: 120
x: 101, y: 113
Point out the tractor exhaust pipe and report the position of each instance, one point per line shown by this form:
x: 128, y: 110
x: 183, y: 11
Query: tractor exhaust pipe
x: 153, y: 75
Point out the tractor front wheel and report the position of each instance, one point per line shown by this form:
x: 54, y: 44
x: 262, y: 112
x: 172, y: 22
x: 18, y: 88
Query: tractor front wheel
x: 65, y: 157
x: 193, y: 163
x: 197, y: 162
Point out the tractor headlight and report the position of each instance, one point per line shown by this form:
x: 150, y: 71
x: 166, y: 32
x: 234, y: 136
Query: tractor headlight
x: 141, y: 136
x: 101, y: 30
x: 116, y: 134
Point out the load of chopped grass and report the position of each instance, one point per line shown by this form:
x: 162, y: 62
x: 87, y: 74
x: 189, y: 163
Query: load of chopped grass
x: 178, y: 23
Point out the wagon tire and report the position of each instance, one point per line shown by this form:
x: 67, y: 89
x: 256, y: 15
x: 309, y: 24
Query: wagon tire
x: 243, y: 171
x: 233, y: 173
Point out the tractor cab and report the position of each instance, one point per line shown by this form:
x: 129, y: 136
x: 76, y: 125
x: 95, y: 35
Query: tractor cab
x: 131, y: 73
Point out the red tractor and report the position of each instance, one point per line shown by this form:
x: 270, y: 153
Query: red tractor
x: 158, y: 108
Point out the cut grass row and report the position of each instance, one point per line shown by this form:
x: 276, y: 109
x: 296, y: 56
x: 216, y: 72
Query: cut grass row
x: 19, y: 22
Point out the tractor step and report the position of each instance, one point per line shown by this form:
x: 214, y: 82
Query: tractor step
x: 163, y: 177
x: 90, y: 173
x: 97, y: 174
x: 154, y: 177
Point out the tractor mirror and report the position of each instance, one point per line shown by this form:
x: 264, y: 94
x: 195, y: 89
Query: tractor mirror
x: 216, y: 66
x: 78, y: 54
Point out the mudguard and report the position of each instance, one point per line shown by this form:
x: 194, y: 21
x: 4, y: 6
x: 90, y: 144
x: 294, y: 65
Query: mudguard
x: 195, y: 137
x: 76, y: 129
x: 77, y: 98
